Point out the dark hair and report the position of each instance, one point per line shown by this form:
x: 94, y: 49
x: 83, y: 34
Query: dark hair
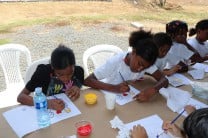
x: 142, y: 42
x: 174, y: 27
x: 62, y: 57
x: 201, y: 25
x: 162, y: 39
x: 196, y: 124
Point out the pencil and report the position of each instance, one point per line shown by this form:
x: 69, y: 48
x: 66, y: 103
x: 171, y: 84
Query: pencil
x: 173, y: 121
x: 122, y: 77
x: 57, y: 111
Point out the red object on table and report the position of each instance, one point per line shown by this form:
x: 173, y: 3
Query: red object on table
x: 84, y: 130
x: 58, y: 111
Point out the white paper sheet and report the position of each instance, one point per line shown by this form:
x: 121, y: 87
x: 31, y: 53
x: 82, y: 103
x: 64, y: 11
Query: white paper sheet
x: 197, y: 104
x: 26, y: 115
x: 121, y: 99
x: 200, y: 66
x: 197, y: 74
x: 178, y: 80
x: 152, y: 124
x: 176, y: 98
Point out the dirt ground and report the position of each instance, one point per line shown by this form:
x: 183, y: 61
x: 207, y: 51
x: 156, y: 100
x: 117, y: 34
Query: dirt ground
x: 33, y: 10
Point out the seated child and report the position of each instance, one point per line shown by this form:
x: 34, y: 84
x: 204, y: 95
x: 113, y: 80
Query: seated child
x: 199, y: 42
x: 194, y: 126
x: 60, y: 76
x: 130, y: 66
x: 164, y: 43
x: 181, y: 53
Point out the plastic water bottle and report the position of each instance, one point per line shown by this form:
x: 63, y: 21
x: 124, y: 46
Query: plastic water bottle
x: 40, y: 103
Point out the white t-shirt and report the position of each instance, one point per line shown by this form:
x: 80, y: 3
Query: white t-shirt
x: 178, y: 52
x: 161, y: 63
x: 109, y: 72
x: 202, y: 49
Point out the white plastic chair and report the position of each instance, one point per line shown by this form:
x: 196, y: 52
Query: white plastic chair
x: 31, y: 69
x: 10, y: 57
x: 98, y: 55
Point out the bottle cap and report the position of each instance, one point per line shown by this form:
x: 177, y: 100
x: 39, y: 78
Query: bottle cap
x: 38, y: 89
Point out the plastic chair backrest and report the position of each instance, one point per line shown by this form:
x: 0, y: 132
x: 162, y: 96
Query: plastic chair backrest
x: 10, y: 62
x: 31, y: 69
x: 98, y: 55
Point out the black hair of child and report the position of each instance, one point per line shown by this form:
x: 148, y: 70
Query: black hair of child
x: 201, y: 25
x: 142, y: 42
x: 161, y: 39
x: 196, y: 124
x: 173, y: 28
x: 62, y: 57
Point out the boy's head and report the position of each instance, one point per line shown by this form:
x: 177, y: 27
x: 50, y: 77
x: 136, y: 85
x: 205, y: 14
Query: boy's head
x: 163, y: 42
x: 63, y: 61
x: 196, y: 124
x: 177, y: 29
x: 144, y: 51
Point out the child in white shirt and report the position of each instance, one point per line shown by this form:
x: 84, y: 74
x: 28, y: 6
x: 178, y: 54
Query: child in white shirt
x: 199, y: 42
x: 180, y: 54
x: 130, y: 66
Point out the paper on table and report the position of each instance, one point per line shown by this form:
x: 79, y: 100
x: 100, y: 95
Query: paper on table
x: 121, y: 99
x: 197, y: 104
x: 26, y: 115
x: 200, y: 66
x: 176, y: 98
x: 178, y: 80
x: 152, y: 124
x: 197, y: 73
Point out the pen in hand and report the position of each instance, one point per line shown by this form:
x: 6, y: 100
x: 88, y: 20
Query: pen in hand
x: 57, y: 111
x: 173, y: 121
x: 124, y: 94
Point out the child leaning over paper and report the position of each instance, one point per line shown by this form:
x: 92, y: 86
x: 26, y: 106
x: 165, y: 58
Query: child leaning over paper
x: 60, y: 76
x: 130, y: 66
x: 195, y: 125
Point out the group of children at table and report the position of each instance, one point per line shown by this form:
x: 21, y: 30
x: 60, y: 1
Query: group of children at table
x: 157, y: 55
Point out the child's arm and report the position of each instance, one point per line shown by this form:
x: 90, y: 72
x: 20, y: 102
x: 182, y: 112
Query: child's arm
x: 189, y: 109
x: 25, y: 99
x: 173, y: 129
x: 171, y: 71
x: 146, y: 94
x: 93, y: 82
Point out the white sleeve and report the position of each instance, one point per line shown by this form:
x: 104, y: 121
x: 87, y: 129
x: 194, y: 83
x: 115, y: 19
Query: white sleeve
x: 151, y: 69
x: 108, y: 68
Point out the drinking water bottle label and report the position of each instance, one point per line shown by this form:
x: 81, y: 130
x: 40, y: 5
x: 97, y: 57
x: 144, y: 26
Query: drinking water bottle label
x: 41, y: 105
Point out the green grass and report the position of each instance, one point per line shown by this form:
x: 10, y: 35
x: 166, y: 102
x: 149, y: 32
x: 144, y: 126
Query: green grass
x: 163, y: 16
x: 4, y: 41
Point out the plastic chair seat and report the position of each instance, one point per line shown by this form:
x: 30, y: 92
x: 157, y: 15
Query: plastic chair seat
x: 10, y: 55
x: 31, y: 69
x: 97, y: 55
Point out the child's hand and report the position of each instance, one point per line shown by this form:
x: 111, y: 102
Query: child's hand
x: 56, y: 104
x: 172, y: 128
x: 145, y: 95
x: 73, y: 93
x: 138, y: 132
x: 189, y: 109
x: 122, y: 87
x: 175, y: 69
